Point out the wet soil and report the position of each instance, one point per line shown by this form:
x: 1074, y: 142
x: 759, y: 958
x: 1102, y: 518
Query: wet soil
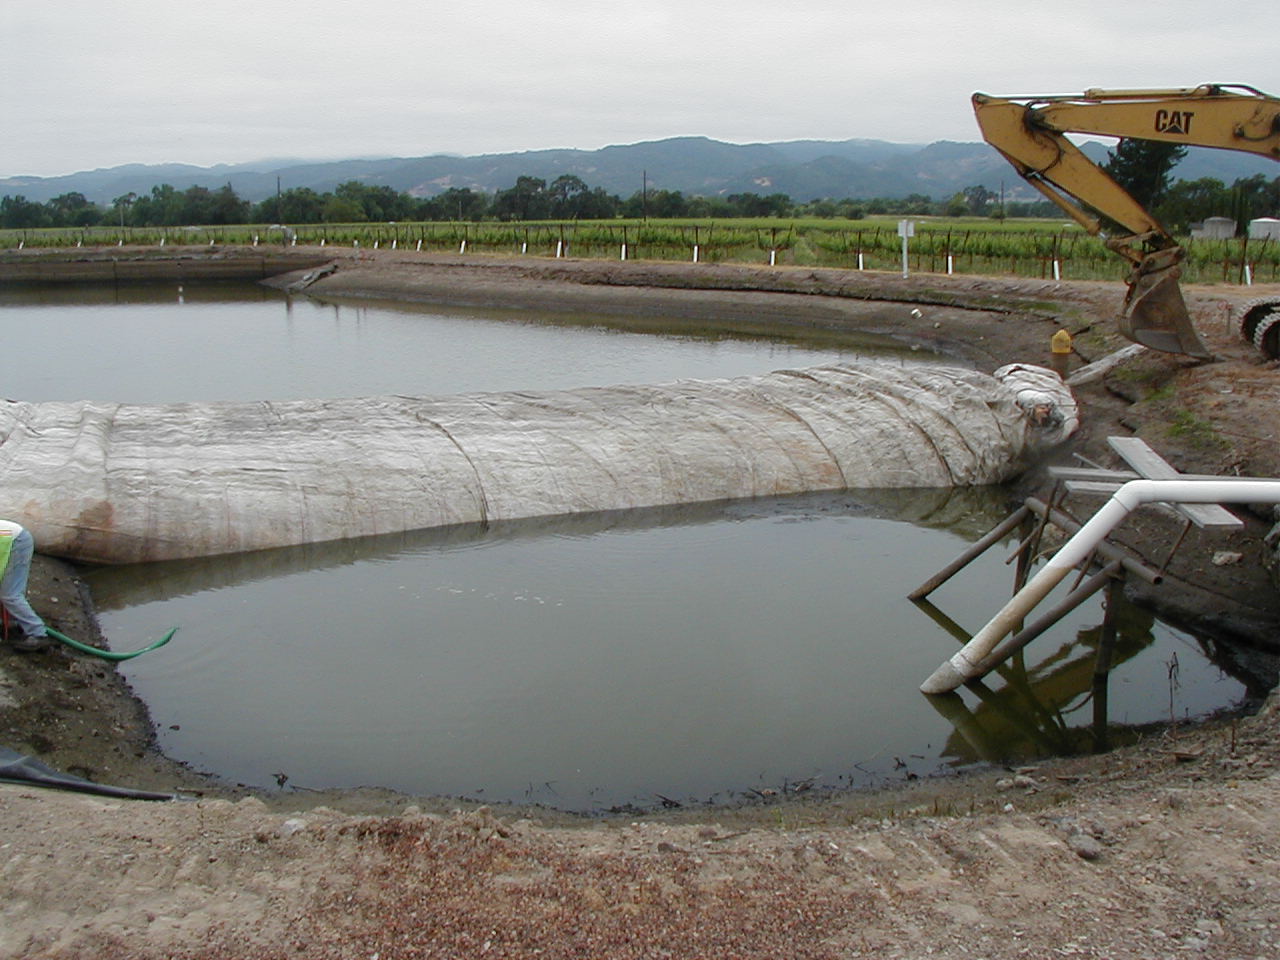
x: 1165, y: 848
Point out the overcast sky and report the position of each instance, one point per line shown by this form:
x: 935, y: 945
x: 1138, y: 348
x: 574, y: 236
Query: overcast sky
x: 96, y: 83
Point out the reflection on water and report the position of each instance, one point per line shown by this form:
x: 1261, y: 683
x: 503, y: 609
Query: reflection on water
x: 232, y: 341
x: 1022, y: 710
x: 694, y: 653
x: 962, y: 511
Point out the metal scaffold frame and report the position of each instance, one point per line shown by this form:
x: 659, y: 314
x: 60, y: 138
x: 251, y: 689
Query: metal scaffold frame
x: 1196, y: 498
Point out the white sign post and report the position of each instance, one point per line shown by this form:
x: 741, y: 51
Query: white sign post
x: 906, y: 229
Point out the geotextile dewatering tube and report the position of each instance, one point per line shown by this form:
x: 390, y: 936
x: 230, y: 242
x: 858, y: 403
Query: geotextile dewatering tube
x: 107, y: 654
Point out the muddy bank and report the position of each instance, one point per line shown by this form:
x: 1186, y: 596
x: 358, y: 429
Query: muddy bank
x: 735, y: 297
x: 131, y: 265
x: 1165, y: 848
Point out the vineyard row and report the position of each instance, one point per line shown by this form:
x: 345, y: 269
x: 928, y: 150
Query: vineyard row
x: 1066, y: 254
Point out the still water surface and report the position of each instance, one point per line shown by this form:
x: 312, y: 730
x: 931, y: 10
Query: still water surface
x: 694, y: 654
x: 165, y: 343
x: 691, y: 653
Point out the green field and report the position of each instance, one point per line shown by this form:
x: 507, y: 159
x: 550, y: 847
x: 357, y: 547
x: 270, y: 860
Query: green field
x: 964, y: 245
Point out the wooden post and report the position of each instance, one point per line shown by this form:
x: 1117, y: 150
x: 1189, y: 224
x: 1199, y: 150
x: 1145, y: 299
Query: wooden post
x: 1105, y: 549
x: 1025, y: 555
x: 994, y: 535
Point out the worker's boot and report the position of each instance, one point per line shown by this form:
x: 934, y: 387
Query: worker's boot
x: 30, y: 644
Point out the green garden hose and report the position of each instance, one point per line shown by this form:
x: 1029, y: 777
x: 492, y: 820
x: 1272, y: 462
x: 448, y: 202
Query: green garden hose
x: 107, y: 654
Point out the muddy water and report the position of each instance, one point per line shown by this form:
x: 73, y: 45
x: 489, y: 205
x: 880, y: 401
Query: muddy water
x: 699, y: 654
x: 164, y: 342
x: 694, y: 654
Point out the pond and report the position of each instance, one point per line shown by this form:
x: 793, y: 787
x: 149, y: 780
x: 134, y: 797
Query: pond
x: 705, y: 653
x: 234, y: 341
x: 700, y: 654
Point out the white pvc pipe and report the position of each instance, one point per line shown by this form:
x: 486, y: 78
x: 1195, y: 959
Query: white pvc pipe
x: 964, y: 665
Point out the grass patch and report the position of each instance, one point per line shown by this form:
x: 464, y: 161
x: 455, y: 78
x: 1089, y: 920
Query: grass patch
x: 1196, y: 431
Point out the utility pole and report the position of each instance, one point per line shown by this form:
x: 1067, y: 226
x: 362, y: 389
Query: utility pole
x: 644, y: 197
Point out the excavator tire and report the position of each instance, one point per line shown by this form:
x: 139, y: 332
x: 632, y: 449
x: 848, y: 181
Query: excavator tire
x: 1266, y: 335
x: 1251, y: 315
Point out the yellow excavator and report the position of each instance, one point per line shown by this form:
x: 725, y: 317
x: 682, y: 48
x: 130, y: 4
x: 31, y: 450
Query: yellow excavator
x: 1031, y: 134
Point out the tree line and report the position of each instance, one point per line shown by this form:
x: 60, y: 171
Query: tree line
x: 568, y: 197
x: 1145, y: 169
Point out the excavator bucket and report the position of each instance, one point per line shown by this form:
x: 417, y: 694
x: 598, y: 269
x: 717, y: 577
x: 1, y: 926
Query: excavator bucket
x: 1155, y: 315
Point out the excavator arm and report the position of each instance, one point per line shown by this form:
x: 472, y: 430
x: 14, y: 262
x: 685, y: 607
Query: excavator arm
x: 1030, y: 132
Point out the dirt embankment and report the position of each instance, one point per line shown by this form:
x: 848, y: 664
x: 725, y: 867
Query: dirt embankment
x: 1164, y: 849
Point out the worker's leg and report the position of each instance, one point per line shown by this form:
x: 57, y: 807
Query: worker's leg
x: 13, y: 588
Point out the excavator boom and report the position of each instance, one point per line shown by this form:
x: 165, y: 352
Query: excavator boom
x: 1031, y: 134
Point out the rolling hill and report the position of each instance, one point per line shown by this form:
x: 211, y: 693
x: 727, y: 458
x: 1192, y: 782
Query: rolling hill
x: 803, y: 169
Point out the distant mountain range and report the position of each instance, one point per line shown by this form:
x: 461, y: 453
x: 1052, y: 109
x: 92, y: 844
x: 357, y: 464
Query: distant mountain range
x: 802, y: 169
